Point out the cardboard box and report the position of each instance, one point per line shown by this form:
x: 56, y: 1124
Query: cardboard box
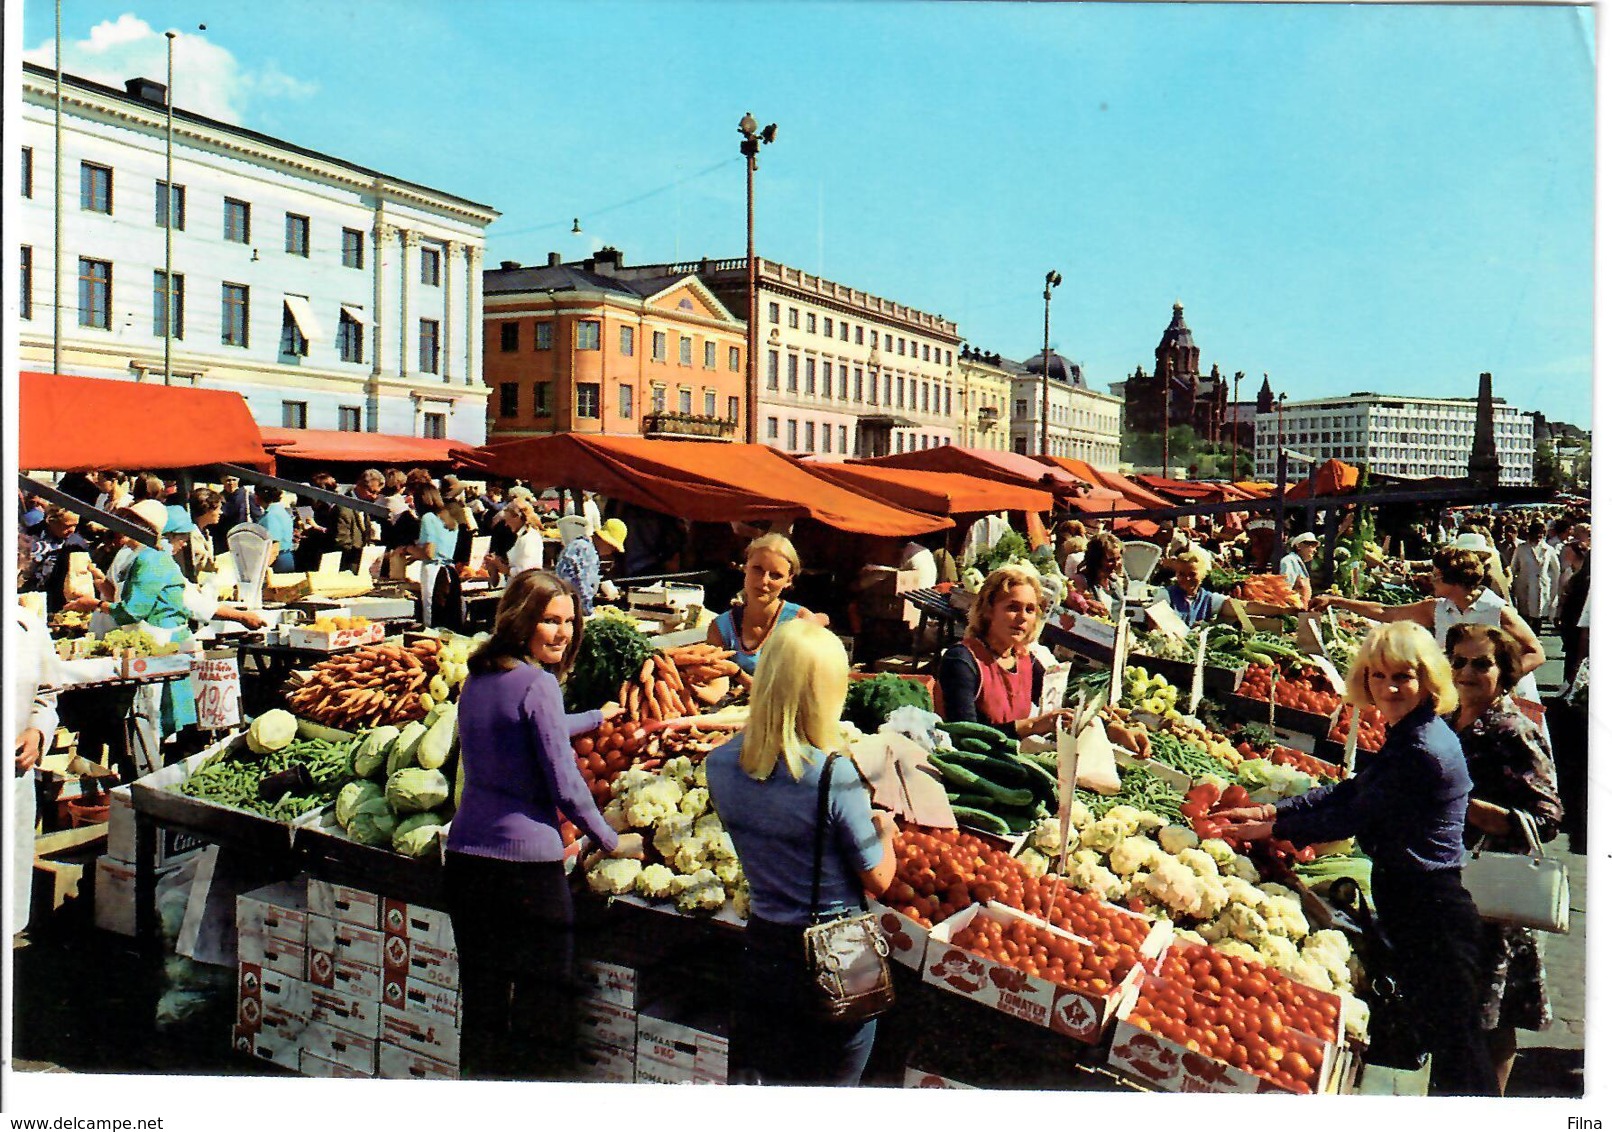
x: 88, y: 670
x: 345, y: 903
x: 272, y: 953
x: 606, y: 1064
x: 139, y: 667
x: 172, y: 845
x: 609, y: 982
x: 330, y: 941
x: 923, y: 1079
x: 404, y: 959
x: 1080, y: 1014
x: 357, y: 981
x: 426, y: 1000
x: 677, y: 1038
x: 262, y: 990
x: 298, y: 637
x: 398, y: 1064
x: 312, y: 1065
x: 607, y: 1024
x: 428, y: 1035
x: 342, y: 1011
x: 359, y: 1054
x: 271, y: 1044
x: 908, y: 939
x: 1159, y: 1063
x: 664, y: 1073
x: 277, y: 910
x: 417, y: 923
x: 114, y: 894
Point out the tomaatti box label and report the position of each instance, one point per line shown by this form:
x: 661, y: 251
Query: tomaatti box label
x: 908, y: 939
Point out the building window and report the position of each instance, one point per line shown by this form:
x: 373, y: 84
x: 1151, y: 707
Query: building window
x: 161, y: 297
x: 710, y: 355
x: 901, y: 393
x: 236, y: 309
x: 772, y: 369
x: 543, y: 336
x: 237, y: 221
x: 624, y: 401
x: 811, y: 328
x: 509, y: 399
x: 349, y: 418
x: 626, y: 341
x: 948, y: 357
x: 901, y: 442
x: 588, y: 400
x: 28, y: 174
x: 794, y: 318
x: 811, y: 377
x: 25, y: 284
x: 658, y: 397
x: 888, y: 343
x: 710, y: 402
x: 792, y: 385
x: 685, y: 401
x: 791, y: 435
x: 349, y: 338
x: 845, y: 381
x: 352, y: 248
x: 434, y: 426
x: 95, y: 188
x: 926, y: 396
x: 430, y: 342
x: 296, y: 234
x: 901, y: 346
x: 293, y: 414
x: 293, y: 342
x: 926, y: 351
x: 174, y: 200
x: 540, y: 398
x: 859, y: 336
x: 828, y: 327
x: 811, y: 436
x: 657, y: 346
x: 887, y: 389
x: 431, y: 267
x: 733, y: 359
x: 509, y: 337
x: 95, y: 293
x: 685, y: 351
x: 858, y: 385
x: 772, y: 428
x: 772, y: 313
x: 844, y: 439
x: 948, y: 401
x: 733, y: 409
x: 845, y: 331
x: 587, y: 337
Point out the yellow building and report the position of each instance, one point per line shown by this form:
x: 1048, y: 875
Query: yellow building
x: 987, y: 393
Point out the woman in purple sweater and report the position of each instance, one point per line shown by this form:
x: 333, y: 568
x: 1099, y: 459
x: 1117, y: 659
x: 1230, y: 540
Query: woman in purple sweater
x: 505, y: 876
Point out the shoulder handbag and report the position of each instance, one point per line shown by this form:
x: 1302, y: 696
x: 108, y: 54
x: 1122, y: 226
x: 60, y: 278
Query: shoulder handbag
x: 847, y: 955
x: 1527, y: 890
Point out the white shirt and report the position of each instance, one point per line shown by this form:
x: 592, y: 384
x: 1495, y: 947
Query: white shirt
x: 920, y: 558
x: 34, y: 677
x: 526, y: 553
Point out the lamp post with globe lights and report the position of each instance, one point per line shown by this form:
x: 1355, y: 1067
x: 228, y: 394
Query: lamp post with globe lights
x: 749, y: 148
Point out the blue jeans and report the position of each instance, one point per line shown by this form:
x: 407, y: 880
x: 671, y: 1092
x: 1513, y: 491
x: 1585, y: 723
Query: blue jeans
x: 775, y: 1039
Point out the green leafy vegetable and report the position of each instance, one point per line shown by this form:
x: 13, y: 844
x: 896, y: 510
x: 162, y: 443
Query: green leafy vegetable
x: 869, y: 702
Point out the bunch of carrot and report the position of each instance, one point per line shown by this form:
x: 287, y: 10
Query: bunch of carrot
x: 368, y: 687
x: 1272, y: 589
x: 675, y: 682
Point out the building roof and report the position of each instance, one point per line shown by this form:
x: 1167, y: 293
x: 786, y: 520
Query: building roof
x: 1060, y: 368
x: 180, y: 115
x: 1177, y: 333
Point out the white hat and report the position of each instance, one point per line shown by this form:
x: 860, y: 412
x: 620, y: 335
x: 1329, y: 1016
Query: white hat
x: 1301, y: 538
x: 1472, y: 540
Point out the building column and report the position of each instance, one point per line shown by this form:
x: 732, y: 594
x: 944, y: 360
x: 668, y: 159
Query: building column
x: 473, y: 323
x: 411, y: 244
x: 450, y: 251
x: 381, y: 238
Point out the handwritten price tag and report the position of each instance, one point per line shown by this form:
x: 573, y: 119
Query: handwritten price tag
x: 218, y: 694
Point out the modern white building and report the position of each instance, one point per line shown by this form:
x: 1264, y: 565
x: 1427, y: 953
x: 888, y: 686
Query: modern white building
x: 1415, y: 437
x: 1081, y: 422
x: 330, y: 295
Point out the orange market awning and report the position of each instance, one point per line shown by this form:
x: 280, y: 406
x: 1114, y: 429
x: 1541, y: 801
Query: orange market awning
x: 934, y: 493
x: 986, y: 463
x: 82, y: 424
x: 1138, y: 495
x: 330, y: 446
x: 700, y: 481
x: 1333, y: 477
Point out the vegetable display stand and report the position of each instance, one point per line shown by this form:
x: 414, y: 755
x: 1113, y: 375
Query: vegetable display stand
x: 1179, y: 672
x: 1290, y: 718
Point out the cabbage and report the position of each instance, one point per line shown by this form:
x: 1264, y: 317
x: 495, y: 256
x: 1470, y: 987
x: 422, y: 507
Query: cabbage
x: 271, y: 731
x: 353, y: 795
x: 415, y: 789
x: 372, y: 823
x: 370, y: 754
x: 416, y: 835
x: 401, y: 753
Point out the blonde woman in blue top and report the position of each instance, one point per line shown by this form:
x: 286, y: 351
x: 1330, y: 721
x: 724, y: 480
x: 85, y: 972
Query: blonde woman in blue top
x: 771, y: 566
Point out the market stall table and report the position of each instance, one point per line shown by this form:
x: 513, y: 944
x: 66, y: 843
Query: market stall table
x: 263, y: 679
x: 98, y: 712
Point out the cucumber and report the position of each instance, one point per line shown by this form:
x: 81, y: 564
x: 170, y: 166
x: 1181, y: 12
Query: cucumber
x: 982, y: 819
x: 968, y: 782
x: 975, y: 746
x: 1043, y: 783
x: 973, y: 801
x: 1003, y: 771
x: 984, y: 732
x: 1019, y: 822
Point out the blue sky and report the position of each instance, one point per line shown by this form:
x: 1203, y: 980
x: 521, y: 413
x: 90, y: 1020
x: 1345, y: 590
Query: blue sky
x: 1348, y: 197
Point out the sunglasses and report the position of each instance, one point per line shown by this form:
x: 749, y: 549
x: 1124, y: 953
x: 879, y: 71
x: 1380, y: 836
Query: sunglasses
x: 1478, y: 663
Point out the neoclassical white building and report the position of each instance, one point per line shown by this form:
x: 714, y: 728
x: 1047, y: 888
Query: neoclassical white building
x: 1081, y: 422
x: 330, y: 295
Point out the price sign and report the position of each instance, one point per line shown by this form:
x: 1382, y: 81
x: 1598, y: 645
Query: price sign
x: 1197, y: 671
x: 1054, y: 687
x: 218, y: 694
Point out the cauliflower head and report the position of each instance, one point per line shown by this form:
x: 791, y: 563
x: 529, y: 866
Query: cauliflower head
x: 1220, y: 850
x: 614, y: 877
x: 695, y: 801
x: 1241, y: 922
x: 1103, y: 835
x: 1238, y: 948
x: 1133, y: 854
x: 672, y: 831
x: 1199, y: 862
x: 701, y: 892
x: 1034, y: 861
x: 655, y: 882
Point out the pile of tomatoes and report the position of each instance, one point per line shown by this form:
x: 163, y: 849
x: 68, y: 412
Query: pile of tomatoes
x: 1373, y: 728
x: 606, y: 752
x: 1241, y: 1013
x: 939, y: 872
x: 1308, y: 691
x: 1097, y: 967
x: 1205, y: 802
x: 1298, y: 760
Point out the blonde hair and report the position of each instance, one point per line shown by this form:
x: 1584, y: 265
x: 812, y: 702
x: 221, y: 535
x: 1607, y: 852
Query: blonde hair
x: 1402, y: 643
x: 1002, y: 579
x: 1196, y: 557
x: 796, y: 701
x: 776, y: 543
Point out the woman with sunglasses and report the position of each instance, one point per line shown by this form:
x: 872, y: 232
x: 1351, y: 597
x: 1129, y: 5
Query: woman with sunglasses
x: 1512, y: 774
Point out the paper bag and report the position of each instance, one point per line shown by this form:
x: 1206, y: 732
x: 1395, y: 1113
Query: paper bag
x: 1095, y: 769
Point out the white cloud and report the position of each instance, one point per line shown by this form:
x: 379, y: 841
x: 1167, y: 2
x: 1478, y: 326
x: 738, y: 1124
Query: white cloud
x: 208, y: 79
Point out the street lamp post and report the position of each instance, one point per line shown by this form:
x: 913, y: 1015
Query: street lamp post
x: 1164, y: 434
x: 1053, y: 280
x: 168, y: 230
x: 748, y: 148
x: 1236, y: 392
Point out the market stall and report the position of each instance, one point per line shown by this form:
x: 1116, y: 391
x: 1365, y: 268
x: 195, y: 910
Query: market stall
x: 299, y: 451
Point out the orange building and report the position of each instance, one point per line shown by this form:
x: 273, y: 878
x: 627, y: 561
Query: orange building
x: 573, y: 347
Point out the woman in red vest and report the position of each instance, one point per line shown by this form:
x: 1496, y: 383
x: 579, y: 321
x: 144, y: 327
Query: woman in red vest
x: 992, y: 676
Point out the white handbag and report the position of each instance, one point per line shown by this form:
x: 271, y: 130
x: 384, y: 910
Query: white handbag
x: 1526, y: 890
